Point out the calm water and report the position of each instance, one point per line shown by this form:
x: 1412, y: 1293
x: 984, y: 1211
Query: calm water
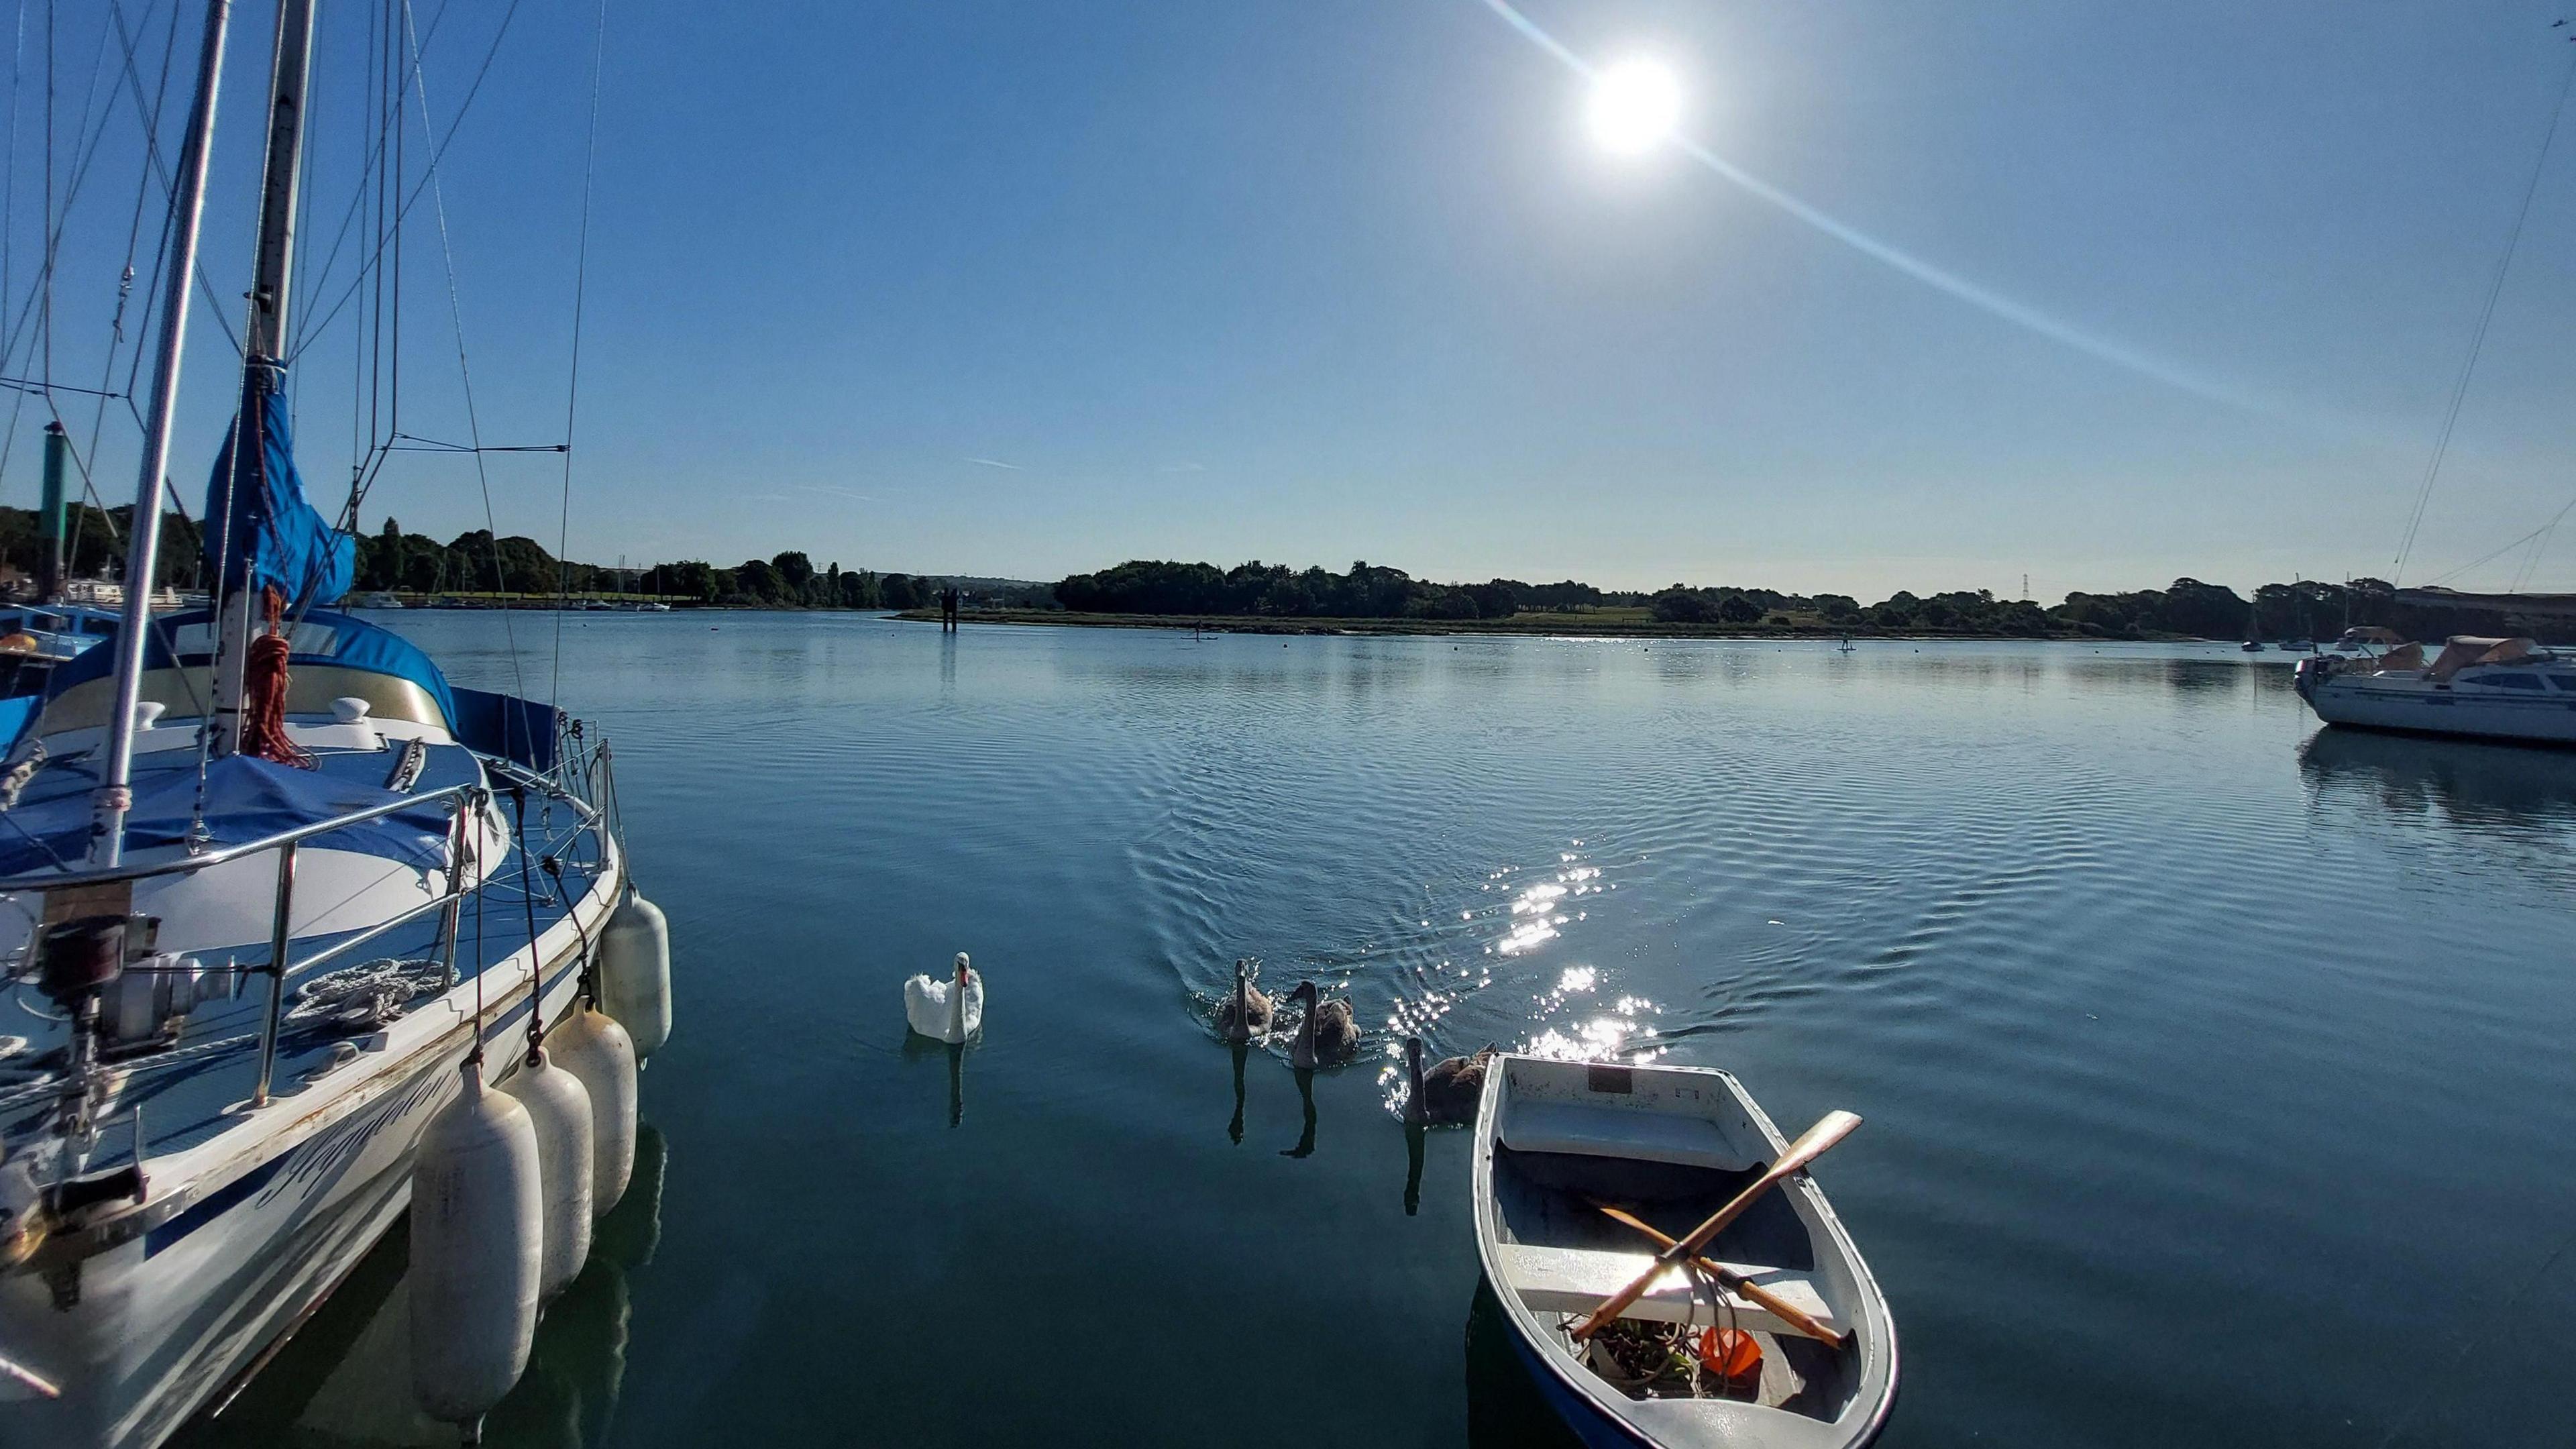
x: 2215, y: 1069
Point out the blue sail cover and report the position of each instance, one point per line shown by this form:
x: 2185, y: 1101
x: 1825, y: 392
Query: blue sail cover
x: 247, y: 799
x: 260, y: 531
x: 321, y: 637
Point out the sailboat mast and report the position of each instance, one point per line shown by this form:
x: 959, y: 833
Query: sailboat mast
x: 264, y: 338
x: 142, y: 556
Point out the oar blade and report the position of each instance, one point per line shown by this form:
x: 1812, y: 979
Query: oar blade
x: 1813, y: 1143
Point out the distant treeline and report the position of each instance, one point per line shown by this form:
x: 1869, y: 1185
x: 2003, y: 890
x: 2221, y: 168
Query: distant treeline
x: 477, y: 563
x: 473, y: 563
x: 1145, y: 586
x: 2186, y: 607
x: 94, y: 544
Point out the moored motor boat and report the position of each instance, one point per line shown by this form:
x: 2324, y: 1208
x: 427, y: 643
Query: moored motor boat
x: 2501, y: 689
x: 1566, y: 1152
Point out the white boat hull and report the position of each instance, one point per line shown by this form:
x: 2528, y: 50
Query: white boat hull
x: 194, y: 1297
x: 2366, y: 702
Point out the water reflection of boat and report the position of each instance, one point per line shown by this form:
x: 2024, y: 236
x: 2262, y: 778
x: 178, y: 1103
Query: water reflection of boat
x: 345, y: 1379
x: 1505, y: 1407
x: 2466, y: 779
x: 1556, y: 1143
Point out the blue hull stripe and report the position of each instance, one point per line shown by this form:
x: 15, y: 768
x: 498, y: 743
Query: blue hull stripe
x: 210, y: 1207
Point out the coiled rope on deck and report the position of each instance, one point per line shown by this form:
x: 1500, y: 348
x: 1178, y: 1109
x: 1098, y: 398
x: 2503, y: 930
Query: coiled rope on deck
x: 264, y: 692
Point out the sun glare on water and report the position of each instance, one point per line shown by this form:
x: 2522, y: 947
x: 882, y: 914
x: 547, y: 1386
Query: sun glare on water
x: 1635, y: 104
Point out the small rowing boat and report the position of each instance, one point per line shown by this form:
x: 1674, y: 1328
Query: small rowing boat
x: 1773, y: 1334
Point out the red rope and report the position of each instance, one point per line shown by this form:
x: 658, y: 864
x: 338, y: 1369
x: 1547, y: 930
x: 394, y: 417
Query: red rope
x: 264, y: 693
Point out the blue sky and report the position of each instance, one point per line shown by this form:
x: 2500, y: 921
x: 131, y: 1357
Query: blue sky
x: 1327, y: 280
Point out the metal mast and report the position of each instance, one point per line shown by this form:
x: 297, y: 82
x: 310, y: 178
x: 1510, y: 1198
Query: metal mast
x: 264, y: 339
x: 142, y: 557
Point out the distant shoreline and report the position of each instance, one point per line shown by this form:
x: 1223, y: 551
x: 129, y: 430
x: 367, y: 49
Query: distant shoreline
x: 1533, y: 625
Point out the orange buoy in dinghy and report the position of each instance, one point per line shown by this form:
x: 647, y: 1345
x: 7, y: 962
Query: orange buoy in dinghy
x: 1732, y: 1355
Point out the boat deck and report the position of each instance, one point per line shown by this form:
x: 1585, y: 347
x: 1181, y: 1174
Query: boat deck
x: 189, y: 1092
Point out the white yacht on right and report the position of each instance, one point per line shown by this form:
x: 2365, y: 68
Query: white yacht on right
x: 2503, y: 689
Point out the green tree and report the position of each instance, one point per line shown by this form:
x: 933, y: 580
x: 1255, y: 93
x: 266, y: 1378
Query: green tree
x: 758, y: 581
x: 795, y: 576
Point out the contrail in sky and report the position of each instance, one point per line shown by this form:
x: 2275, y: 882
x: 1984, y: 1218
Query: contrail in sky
x: 993, y: 463
x: 837, y: 492
x: 2019, y: 314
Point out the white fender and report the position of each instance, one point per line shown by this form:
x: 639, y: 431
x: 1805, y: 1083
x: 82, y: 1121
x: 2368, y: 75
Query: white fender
x: 594, y: 1048
x: 635, y: 973
x: 559, y: 1105
x: 477, y: 1244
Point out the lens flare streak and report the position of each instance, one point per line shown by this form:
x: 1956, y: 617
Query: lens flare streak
x: 1994, y: 304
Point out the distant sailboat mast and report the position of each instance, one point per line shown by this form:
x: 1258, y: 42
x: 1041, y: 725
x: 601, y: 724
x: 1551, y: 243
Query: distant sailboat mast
x: 187, y: 209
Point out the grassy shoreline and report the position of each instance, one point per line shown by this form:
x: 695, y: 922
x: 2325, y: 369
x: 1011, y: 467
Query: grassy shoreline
x: 1599, y: 623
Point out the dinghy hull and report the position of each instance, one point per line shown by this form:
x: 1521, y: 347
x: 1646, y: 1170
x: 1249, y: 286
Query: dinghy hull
x: 1558, y: 1141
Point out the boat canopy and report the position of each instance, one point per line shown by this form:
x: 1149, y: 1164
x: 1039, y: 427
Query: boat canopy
x: 246, y: 799
x: 321, y: 637
x: 2463, y: 650
x: 260, y: 532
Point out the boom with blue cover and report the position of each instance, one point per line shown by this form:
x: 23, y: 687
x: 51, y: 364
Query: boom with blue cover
x: 260, y: 530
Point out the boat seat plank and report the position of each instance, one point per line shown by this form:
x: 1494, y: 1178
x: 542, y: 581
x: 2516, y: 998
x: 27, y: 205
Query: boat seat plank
x: 1568, y: 1127
x: 1575, y: 1280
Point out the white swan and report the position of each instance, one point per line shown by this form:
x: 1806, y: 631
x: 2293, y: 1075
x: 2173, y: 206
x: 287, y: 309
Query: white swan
x: 948, y: 1011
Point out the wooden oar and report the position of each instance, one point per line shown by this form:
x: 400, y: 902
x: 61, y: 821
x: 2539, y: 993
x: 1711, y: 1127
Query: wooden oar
x: 1781, y: 1308
x: 29, y: 1377
x: 1831, y: 1128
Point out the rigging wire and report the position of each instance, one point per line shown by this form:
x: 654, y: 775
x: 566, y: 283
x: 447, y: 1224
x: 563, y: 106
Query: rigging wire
x: 299, y: 285
x: 380, y: 179
x: 36, y: 307
x: 161, y: 172
x: 572, y: 387
x: 9, y: 187
x: 456, y: 316
x: 2539, y: 547
x: 306, y: 335
x: 45, y: 315
x: 150, y: 118
x: 2487, y: 558
x: 373, y: 165
x: 2478, y: 335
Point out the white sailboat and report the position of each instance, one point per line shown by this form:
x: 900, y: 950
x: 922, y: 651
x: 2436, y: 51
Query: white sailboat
x: 271, y: 878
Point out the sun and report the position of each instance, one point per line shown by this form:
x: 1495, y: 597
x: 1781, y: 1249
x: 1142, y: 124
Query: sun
x: 1635, y: 105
